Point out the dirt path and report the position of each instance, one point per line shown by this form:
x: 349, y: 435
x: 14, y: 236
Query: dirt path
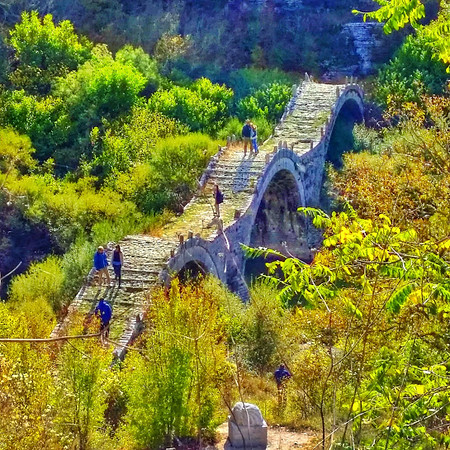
x: 280, y: 438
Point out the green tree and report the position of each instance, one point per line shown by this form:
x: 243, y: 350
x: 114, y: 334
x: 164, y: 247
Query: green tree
x: 46, y: 121
x: 202, y: 107
x: 26, y: 384
x: 174, y: 386
x: 130, y: 141
x: 409, y: 177
x: 371, y: 282
x: 411, y: 73
x: 170, y: 177
x: 396, y: 14
x: 141, y: 61
x: 16, y: 152
x: 81, y: 389
x: 267, y: 102
x: 101, y: 88
x: 45, y: 51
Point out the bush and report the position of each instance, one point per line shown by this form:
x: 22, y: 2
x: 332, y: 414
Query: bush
x: 16, y: 152
x: 45, y: 121
x: 173, y: 387
x: 246, y: 81
x: 148, y: 67
x: 43, y: 280
x: 45, y: 51
x: 263, y: 325
x: 268, y: 102
x: 171, y: 175
x: 202, y: 107
x: 412, y: 72
x: 70, y: 209
x: 130, y: 141
x: 232, y: 126
x: 264, y: 128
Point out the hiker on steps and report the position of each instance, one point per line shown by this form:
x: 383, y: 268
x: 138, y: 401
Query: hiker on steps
x: 101, y: 265
x: 247, y: 136
x: 117, y: 263
x: 104, y: 311
x: 218, y: 199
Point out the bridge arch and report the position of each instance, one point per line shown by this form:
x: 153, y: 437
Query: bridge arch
x: 274, y: 221
x: 194, y: 256
x: 348, y: 110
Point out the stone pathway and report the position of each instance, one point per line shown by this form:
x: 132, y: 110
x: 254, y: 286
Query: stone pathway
x: 312, y: 107
x: 236, y: 175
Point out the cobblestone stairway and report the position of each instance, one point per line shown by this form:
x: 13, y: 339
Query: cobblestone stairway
x: 237, y: 175
x: 311, y: 108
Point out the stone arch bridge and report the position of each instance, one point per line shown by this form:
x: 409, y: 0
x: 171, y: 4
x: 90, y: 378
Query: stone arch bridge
x: 261, y: 195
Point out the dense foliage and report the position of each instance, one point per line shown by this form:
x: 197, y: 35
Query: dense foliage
x: 374, y: 303
x: 436, y: 34
x: 109, y: 135
x: 412, y: 72
x: 94, y: 144
x: 288, y: 35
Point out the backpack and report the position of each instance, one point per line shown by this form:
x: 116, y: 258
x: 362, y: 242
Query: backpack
x: 219, y: 197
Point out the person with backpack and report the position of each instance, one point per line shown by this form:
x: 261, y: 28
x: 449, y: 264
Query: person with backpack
x: 247, y: 136
x: 218, y: 199
x: 104, y: 311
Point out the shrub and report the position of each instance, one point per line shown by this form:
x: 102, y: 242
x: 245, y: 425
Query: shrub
x: 102, y: 86
x: 232, y: 126
x: 80, y: 393
x: 43, y: 280
x: 262, y: 324
x: 70, y: 209
x: 130, y: 141
x: 45, y: 121
x: 246, y: 81
x: 264, y: 128
x: 148, y: 67
x: 173, y: 387
x: 171, y: 175
x: 412, y: 73
x: 27, y: 384
x: 267, y: 102
x: 16, y: 152
x: 202, y: 107
x: 76, y: 263
x: 45, y: 51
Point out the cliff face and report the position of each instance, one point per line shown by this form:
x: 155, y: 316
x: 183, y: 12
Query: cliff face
x: 305, y: 35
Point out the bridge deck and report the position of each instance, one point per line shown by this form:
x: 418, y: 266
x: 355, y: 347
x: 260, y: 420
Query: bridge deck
x: 236, y: 175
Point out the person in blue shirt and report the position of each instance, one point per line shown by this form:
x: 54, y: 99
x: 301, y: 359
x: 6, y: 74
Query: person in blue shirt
x: 101, y: 265
x: 247, y: 136
x: 281, y: 375
x: 104, y: 310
